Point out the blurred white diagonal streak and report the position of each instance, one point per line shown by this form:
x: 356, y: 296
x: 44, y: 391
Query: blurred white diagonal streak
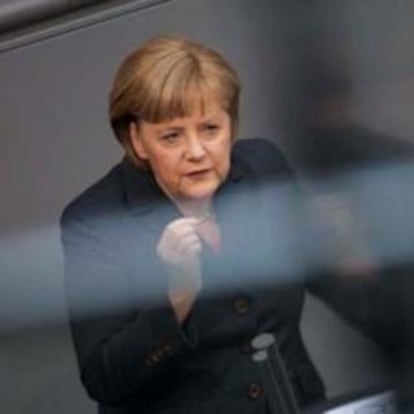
x: 361, y: 212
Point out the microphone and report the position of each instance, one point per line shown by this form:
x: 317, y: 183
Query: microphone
x: 283, y: 399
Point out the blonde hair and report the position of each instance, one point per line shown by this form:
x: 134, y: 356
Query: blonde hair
x: 170, y: 77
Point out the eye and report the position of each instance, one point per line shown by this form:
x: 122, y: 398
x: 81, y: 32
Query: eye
x: 211, y: 128
x: 170, y: 138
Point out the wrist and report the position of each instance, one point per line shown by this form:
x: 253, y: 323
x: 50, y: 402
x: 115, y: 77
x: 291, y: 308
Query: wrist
x: 184, y: 280
x: 181, y: 302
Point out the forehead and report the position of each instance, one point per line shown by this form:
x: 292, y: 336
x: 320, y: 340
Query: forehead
x: 212, y: 113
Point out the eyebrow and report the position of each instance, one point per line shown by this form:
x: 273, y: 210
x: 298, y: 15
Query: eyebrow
x: 176, y: 128
x: 210, y: 119
x: 170, y: 129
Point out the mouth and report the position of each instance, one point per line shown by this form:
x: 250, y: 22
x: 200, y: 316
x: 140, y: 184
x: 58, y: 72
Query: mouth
x: 198, y: 173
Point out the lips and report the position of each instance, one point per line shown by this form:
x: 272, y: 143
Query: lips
x: 198, y: 173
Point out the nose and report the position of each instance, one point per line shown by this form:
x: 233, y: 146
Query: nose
x: 195, y: 149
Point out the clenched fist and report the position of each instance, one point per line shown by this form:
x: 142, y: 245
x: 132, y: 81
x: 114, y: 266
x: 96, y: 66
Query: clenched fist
x: 179, y: 242
x: 179, y: 247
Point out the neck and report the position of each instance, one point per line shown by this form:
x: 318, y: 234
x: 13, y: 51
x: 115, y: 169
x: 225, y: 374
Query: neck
x: 194, y: 208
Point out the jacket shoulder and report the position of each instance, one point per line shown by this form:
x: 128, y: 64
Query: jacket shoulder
x: 101, y: 197
x: 261, y: 156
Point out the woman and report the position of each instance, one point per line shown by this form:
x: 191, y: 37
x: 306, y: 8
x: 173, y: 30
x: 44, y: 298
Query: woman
x: 161, y: 254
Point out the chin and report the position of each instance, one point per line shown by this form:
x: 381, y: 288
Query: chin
x: 200, y: 193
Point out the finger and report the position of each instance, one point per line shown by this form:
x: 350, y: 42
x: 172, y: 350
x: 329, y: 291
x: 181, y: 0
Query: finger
x: 183, y: 223
x: 173, y: 234
x: 175, y: 238
x: 191, y: 252
x: 193, y: 249
x: 184, y: 243
x: 176, y: 248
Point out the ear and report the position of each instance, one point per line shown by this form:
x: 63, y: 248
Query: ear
x: 136, y: 141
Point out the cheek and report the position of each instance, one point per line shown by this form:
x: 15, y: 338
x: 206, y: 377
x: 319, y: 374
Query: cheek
x: 223, y: 154
x: 166, y: 168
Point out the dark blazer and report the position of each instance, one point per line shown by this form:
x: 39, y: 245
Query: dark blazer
x: 133, y: 356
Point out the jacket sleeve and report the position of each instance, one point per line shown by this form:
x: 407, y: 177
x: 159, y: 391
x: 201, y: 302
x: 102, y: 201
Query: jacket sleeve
x: 370, y: 305
x: 124, y: 348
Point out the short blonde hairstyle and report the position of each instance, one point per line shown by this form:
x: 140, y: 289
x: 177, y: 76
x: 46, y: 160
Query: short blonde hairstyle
x: 166, y: 78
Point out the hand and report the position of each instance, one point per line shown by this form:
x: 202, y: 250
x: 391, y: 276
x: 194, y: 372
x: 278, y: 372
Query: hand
x: 179, y: 248
x: 179, y: 242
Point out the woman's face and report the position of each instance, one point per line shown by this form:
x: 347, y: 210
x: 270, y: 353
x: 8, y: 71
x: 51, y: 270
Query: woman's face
x: 190, y: 156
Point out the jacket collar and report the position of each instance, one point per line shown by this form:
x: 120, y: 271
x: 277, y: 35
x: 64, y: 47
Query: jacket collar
x: 143, y: 194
